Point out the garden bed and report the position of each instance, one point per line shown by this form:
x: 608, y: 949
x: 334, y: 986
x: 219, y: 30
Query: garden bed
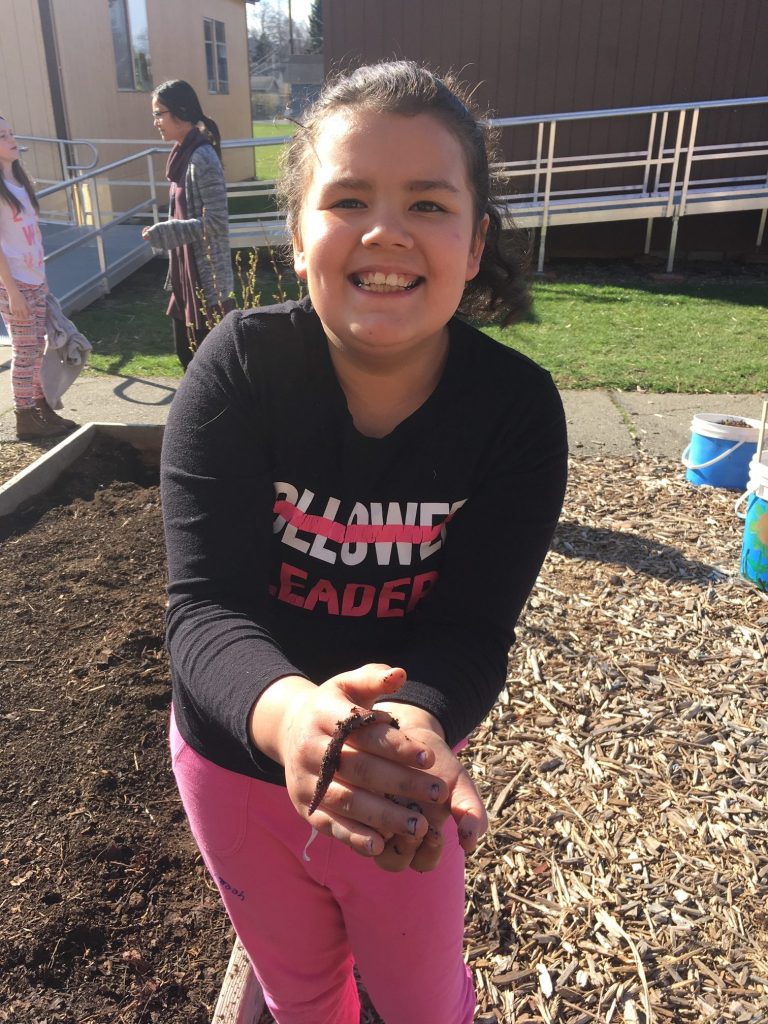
x: 625, y: 874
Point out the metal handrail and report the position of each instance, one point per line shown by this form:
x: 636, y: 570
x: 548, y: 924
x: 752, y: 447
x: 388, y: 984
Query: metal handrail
x: 165, y: 147
x: 95, y: 232
x: 88, y: 175
x: 84, y: 180
x: 577, y: 115
x: 678, y: 160
x: 666, y: 185
x: 61, y: 144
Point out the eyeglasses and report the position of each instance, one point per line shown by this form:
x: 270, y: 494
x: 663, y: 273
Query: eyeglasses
x: 158, y: 115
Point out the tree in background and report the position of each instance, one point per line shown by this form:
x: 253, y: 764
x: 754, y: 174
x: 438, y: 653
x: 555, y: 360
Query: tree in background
x: 272, y: 36
x: 315, y: 27
x: 259, y: 46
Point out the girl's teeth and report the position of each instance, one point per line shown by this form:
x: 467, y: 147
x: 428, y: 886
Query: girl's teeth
x: 380, y: 281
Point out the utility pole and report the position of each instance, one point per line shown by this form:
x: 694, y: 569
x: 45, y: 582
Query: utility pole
x: 290, y: 28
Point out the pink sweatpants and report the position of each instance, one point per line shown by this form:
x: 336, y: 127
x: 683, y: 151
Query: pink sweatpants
x: 27, y: 344
x: 307, y: 916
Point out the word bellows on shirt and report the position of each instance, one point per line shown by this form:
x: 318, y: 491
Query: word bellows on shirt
x: 402, y: 533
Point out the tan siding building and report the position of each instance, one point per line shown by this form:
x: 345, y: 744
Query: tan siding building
x: 78, y: 69
x: 25, y: 95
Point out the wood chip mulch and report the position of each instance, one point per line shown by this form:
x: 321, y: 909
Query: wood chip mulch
x: 625, y: 874
x: 17, y: 455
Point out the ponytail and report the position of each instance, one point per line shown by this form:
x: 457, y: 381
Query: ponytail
x: 212, y: 133
x: 181, y: 99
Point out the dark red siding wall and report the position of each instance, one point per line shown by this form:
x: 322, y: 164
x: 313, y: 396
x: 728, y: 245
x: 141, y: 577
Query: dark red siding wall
x: 553, y: 56
x: 550, y: 56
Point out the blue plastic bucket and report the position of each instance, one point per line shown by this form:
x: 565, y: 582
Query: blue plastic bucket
x: 719, y: 452
x: 754, y: 547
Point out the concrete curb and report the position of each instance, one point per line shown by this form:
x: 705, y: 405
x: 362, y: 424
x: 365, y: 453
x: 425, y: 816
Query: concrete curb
x: 609, y: 422
x: 603, y: 422
x: 45, y: 471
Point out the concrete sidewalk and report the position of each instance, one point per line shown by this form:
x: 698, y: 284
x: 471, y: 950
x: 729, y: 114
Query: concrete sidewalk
x: 599, y: 422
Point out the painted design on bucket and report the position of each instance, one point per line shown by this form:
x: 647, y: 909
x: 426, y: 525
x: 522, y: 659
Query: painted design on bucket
x: 754, y: 551
x: 760, y: 529
x: 754, y: 548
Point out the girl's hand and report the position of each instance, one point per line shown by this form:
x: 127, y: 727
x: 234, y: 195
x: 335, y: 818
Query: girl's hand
x: 464, y: 804
x: 19, y: 306
x: 146, y: 233
x: 294, y: 721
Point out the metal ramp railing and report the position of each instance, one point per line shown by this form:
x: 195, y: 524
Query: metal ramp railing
x: 657, y: 182
x: 91, y: 246
x: 92, y: 250
x: 671, y: 177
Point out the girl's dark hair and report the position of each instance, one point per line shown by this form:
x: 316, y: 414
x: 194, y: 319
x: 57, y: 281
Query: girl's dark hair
x: 23, y: 179
x: 498, y: 292
x: 181, y: 99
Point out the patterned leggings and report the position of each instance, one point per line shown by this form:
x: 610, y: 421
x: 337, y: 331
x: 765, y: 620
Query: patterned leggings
x: 27, y: 344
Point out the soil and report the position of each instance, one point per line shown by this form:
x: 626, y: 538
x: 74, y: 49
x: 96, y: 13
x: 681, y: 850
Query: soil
x: 107, y: 915
x: 107, y: 912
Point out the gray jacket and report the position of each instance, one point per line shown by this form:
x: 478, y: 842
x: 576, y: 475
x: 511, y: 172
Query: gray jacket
x: 207, y: 226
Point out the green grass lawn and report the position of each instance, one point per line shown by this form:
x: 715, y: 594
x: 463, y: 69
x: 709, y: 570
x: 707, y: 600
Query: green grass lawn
x: 132, y: 336
x: 708, y: 334
x: 694, y: 337
x: 267, y: 158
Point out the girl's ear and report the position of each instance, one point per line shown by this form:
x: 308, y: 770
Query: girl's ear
x: 299, y: 262
x: 476, y: 249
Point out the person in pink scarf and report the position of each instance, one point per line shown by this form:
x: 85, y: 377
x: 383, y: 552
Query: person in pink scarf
x: 196, y: 234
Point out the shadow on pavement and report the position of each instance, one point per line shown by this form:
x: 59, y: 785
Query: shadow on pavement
x: 164, y: 398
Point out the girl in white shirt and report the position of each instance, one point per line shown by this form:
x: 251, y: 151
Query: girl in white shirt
x: 23, y: 288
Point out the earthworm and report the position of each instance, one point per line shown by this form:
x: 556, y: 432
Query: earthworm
x: 332, y: 756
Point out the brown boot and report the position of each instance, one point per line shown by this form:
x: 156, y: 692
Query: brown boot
x: 30, y: 425
x: 53, y: 417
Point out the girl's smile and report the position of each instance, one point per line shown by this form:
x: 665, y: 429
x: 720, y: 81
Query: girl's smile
x: 386, y: 237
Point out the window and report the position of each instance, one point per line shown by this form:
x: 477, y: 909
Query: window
x: 216, y: 55
x: 130, y: 34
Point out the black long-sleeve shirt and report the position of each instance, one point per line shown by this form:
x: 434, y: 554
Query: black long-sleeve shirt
x: 296, y: 545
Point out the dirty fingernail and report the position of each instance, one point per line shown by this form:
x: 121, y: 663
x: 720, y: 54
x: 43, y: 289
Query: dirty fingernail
x: 434, y: 791
x: 412, y: 822
x: 421, y: 757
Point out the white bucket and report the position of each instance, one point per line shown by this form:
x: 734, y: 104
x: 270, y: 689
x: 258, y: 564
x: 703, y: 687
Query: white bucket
x: 719, y: 452
x: 757, y: 483
x: 758, y: 476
